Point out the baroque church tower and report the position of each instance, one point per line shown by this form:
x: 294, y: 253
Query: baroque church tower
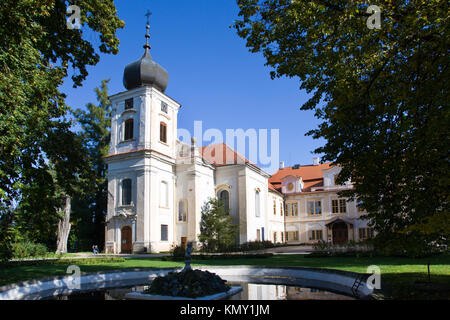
x: 157, y: 185
x: 141, y: 159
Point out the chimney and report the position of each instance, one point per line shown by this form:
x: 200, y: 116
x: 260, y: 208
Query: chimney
x: 316, y: 161
x: 281, y: 164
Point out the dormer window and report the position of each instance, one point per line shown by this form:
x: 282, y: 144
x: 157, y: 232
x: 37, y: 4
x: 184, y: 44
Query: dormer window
x: 291, y: 184
x: 129, y: 104
x: 128, y: 134
x: 164, y: 107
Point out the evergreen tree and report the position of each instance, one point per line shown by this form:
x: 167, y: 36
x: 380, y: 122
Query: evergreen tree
x: 90, y: 206
x: 217, y: 230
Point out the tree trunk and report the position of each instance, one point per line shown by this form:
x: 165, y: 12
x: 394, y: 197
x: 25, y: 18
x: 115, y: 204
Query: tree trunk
x: 64, y: 228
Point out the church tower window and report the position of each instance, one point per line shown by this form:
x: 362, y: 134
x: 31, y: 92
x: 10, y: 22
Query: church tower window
x: 129, y: 104
x: 182, y: 215
x: 164, y: 199
x: 164, y: 107
x: 129, y: 127
x: 163, y: 132
x: 126, y: 192
x: 164, y: 232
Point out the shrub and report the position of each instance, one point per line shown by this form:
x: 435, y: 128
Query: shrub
x: 247, y: 246
x: 256, y: 245
x: 81, y: 261
x: 27, y: 249
x: 178, y: 252
x: 347, y: 249
x: 232, y: 256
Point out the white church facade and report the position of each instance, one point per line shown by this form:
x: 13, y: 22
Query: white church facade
x: 157, y: 185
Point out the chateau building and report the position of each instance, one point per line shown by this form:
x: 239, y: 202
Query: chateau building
x: 157, y: 185
x: 314, y: 212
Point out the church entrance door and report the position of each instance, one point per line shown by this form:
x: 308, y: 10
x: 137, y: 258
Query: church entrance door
x: 126, y: 240
x: 184, y: 242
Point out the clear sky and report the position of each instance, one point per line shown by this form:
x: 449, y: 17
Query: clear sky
x: 212, y: 73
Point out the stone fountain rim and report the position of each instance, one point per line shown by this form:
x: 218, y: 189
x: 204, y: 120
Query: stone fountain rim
x: 214, y: 269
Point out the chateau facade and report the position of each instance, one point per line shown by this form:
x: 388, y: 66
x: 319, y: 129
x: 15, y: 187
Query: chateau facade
x: 157, y: 185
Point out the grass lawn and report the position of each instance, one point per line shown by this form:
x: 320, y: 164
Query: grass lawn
x: 400, y: 273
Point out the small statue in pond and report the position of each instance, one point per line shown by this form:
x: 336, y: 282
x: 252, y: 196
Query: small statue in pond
x: 188, y: 257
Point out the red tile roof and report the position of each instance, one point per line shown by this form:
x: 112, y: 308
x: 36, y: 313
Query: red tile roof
x: 312, y: 175
x: 221, y: 155
x: 271, y: 187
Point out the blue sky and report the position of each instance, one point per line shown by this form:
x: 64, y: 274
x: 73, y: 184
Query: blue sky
x: 212, y: 74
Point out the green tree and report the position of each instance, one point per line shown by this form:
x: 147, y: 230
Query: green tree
x: 382, y: 95
x: 90, y: 207
x: 43, y: 214
x: 216, y: 226
x: 37, y: 51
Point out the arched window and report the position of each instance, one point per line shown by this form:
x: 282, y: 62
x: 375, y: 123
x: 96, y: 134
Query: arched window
x: 126, y: 192
x: 224, y: 196
x: 163, y: 132
x: 257, y: 204
x: 164, y: 193
x: 182, y: 214
x: 128, y: 133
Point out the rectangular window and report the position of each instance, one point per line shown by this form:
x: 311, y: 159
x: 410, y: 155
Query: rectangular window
x: 315, y: 207
x: 257, y: 204
x: 163, y: 132
x: 258, y: 235
x: 295, y: 209
x: 338, y: 206
x: 129, y: 104
x: 164, y: 232
x: 315, y: 235
x: 274, y: 207
x: 274, y: 237
x: 126, y: 192
x: 342, y: 205
x: 164, y: 193
x: 365, y: 233
x: 129, y: 128
x: 182, y: 216
x: 292, y: 209
x: 281, y: 208
x: 292, y: 236
x: 334, y: 206
x: 164, y: 107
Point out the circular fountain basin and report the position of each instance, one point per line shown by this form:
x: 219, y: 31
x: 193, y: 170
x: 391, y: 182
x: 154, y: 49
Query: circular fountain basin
x: 340, y: 282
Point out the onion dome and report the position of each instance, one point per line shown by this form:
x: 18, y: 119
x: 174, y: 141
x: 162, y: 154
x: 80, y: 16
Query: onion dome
x: 145, y: 71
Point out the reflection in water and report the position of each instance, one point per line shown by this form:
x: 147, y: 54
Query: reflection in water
x: 251, y: 291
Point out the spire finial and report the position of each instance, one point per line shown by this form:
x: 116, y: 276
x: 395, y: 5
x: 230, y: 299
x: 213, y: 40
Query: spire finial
x: 147, y: 35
